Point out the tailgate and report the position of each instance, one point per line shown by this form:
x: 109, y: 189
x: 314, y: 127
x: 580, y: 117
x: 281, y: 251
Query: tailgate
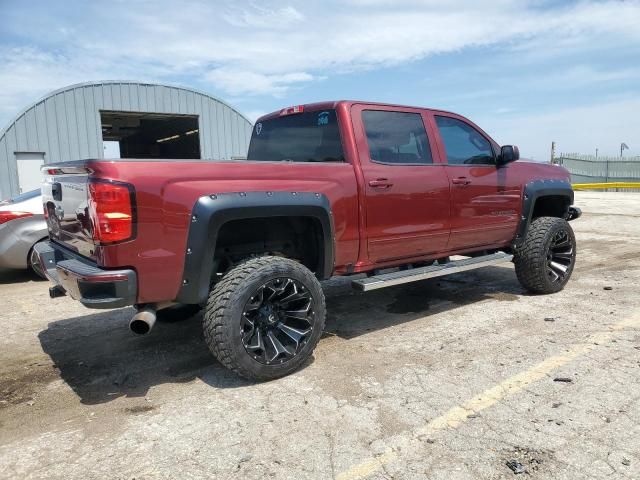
x: 65, y: 201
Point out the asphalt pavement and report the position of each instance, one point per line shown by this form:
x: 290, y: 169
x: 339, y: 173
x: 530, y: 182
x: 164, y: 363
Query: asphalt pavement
x: 459, y: 377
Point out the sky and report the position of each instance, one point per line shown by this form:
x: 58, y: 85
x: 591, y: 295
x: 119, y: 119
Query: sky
x: 529, y: 72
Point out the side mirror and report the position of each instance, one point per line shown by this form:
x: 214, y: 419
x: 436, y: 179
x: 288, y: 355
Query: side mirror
x: 508, y: 154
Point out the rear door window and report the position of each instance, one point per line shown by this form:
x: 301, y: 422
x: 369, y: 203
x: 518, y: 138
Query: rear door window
x: 396, y: 137
x: 463, y: 143
x: 300, y: 137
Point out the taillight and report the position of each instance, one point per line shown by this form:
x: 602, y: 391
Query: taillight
x: 7, y: 216
x: 111, y: 210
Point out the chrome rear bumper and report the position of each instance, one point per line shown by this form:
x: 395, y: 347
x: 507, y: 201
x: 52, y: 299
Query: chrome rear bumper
x: 83, y: 280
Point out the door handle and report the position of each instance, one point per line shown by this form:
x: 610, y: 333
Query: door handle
x: 461, y: 181
x: 380, y: 183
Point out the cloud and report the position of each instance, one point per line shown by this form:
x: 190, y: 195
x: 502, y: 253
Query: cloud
x: 28, y: 73
x: 253, y: 115
x: 575, y: 129
x: 259, y: 16
x: 21, y: 75
x: 236, y: 81
x: 250, y: 49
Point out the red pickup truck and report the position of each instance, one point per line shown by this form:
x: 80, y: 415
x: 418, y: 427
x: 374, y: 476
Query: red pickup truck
x: 334, y: 188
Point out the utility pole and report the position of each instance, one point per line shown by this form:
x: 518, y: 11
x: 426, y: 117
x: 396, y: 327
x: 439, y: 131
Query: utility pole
x: 596, y: 153
x: 553, y: 152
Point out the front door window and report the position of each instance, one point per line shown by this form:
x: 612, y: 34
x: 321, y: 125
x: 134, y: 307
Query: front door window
x: 463, y: 143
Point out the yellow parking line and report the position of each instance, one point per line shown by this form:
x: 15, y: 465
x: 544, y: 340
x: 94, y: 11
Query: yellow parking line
x: 457, y: 415
x: 602, y: 185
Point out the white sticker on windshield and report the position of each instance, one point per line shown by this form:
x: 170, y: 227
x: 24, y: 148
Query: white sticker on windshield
x: 258, y: 128
x: 323, y: 118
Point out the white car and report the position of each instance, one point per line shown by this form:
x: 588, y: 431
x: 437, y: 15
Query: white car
x: 22, y: 225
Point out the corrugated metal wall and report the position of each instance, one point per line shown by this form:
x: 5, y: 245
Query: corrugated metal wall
x: 589, y: 169
x: 65, y: 125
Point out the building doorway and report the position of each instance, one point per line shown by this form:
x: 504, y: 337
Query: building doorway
x: 151, y: 135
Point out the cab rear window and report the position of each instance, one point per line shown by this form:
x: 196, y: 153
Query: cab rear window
x: 300, y: 137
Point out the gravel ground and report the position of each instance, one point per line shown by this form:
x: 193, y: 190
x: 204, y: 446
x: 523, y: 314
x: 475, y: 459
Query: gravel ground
x: 445, y: 378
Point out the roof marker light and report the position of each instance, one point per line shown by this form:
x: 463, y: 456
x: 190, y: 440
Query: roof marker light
x: 292, y: 110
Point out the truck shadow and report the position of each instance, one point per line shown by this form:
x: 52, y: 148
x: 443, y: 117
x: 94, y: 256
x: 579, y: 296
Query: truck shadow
x: 18, y: 276
x: 351, y: 314
x: 101, y: 360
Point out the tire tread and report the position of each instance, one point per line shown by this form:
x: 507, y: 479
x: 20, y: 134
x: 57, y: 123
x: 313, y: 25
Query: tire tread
x: 530, y: 258
x: 217, y: 327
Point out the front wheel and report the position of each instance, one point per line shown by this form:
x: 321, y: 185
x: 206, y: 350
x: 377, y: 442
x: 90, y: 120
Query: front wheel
x: 545, y: 260
x: 265, y: 317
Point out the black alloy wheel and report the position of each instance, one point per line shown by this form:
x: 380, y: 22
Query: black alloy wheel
x: 559, y: 256
x: 545, y: 260
x: 277, y: 321
x: 264, y: 317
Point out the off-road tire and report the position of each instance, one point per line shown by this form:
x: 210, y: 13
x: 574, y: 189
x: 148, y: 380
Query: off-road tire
x: 227, y: 301
x: 532, y: 257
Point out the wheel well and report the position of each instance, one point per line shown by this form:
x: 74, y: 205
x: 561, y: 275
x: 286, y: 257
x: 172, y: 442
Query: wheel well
x: 551, y: 206
x: 298, y: 238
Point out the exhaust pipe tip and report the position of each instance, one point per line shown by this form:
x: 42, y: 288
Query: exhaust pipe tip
x: 143, y: 321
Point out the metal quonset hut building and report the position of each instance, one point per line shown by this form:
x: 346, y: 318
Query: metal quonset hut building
x: 113, y: 119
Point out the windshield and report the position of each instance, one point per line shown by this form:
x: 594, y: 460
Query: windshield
x: 301, y: 137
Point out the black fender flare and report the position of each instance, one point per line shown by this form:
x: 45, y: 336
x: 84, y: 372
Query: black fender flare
x: 212, y: 211
x: 531, y: 193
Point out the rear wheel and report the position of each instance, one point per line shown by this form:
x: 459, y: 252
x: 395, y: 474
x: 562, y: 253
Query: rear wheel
x: 265, y: 317
x: 34, y: 263
x: 545, y: 260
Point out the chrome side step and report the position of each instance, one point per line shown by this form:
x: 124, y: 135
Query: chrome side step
x: 406, y: 276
